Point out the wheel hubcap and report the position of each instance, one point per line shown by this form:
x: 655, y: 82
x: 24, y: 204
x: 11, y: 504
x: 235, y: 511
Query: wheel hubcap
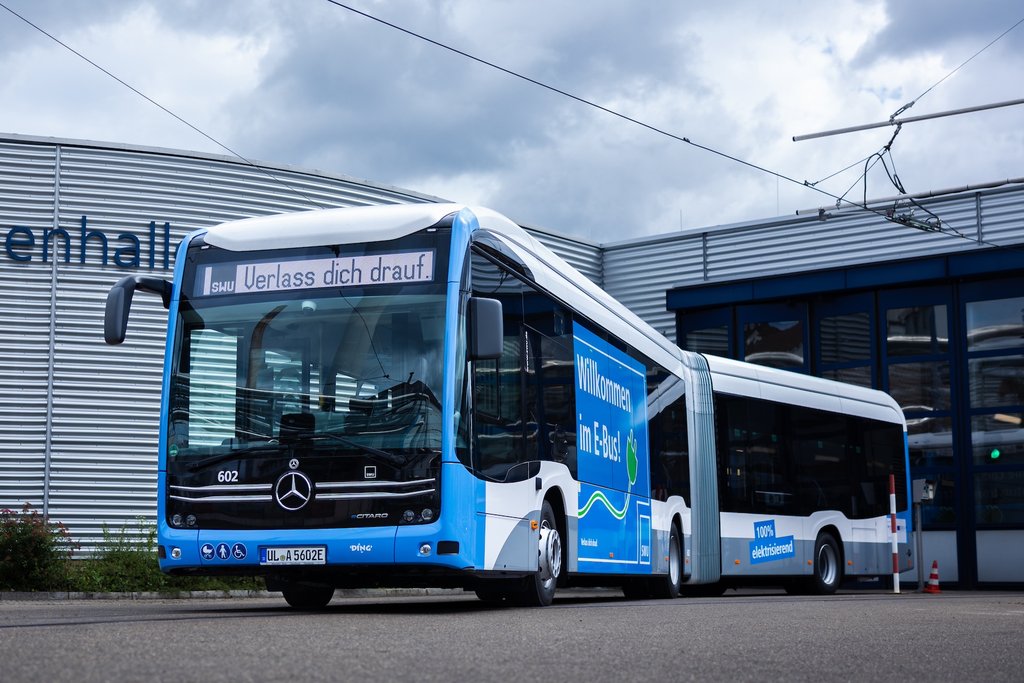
x: 673, y: 562
x: 550, y: 559
x: 827, y: 564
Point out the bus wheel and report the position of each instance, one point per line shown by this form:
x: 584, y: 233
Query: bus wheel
x: 828, y: 566
x: 539, y: 589
x: 668, y: 586
x: 306, y: 596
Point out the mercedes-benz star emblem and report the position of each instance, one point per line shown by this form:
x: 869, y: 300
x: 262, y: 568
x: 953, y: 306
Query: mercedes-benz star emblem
x: 293, y: 490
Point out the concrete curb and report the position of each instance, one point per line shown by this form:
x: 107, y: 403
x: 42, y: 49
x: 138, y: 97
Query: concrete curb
x: 41, y: 596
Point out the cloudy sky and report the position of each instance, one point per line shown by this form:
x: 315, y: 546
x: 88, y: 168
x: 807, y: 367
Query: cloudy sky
x: 311, y: 84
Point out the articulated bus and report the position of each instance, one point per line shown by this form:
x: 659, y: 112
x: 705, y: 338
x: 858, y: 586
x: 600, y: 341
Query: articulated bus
x: 424, y: 395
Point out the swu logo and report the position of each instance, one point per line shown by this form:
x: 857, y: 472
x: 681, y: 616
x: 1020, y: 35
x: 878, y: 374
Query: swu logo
x: 361, y: 548
x: 222, y: 287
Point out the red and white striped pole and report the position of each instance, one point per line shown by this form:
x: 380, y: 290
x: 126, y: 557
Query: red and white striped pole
x: 895, y: 537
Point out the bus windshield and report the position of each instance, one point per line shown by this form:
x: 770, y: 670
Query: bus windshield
x: 351, y: 373
x: 310, y: 352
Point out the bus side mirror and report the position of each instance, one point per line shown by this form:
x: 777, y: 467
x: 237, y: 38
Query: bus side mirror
x: 486, y: 330
x: 119, y: 301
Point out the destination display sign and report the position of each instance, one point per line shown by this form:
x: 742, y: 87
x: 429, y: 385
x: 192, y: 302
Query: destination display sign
x: 259, y: 277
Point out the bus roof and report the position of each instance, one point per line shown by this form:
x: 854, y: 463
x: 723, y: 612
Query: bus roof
x: 326, y: 226
x: 749, y: 379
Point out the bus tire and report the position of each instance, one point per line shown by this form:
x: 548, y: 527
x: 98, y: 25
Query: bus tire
x: 538, y: 589
x: 668, y: 587
x: 828, y: 565
x: 307, y: 597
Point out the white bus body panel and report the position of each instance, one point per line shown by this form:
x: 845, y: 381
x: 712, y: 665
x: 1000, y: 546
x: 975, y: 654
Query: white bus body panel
x: 866, y: 542
x: 327, y: 226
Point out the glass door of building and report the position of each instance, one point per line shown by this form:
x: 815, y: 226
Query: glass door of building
x: 993, y: 348
x: 918, y: 370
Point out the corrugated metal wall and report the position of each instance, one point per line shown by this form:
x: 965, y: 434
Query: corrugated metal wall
x: 640, y: 273
x: 26, y: 199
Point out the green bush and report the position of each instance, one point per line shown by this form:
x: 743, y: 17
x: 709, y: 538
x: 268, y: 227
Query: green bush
x: 127, y: 562
x: 35, y: 554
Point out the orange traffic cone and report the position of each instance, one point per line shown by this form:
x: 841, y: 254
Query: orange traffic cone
x: 933, y: 580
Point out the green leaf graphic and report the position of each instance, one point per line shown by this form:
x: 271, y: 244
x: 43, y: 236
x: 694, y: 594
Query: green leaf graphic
x: 631, y: 459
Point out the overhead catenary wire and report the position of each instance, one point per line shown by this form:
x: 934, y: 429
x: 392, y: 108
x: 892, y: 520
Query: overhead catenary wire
x: 912, y: 102
x: 149, y: 99
x: 893, y: 121
x: 679, y: 138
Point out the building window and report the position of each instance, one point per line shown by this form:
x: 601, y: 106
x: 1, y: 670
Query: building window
x: 711, y: 340
x: 707, y: 332
x: 995, y: 383
x: 917, y: 371
x: 845, y: 344
x: 777, y: 344
x: 845, y: 338
x: 915, y: 331
x: 995, y: 324
x: 931, y: 441
x: 920, y: 386
x: 999, y: 498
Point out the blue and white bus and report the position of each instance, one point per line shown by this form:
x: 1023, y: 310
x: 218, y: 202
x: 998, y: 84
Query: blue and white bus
x: 424, y: 395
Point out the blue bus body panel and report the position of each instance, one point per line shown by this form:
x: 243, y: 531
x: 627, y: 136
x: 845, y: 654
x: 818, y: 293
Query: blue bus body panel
x: 458, y: 522
x: 614, y: 531
x: 165, y: 534
x: 457, y: 484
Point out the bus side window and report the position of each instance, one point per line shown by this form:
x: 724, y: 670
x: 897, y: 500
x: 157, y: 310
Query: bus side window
x: 730, y: 415
x: 498, y: 425
x: 549, y: 394
x: 821, y: 454
x: 669, y: 444
x: 754, y: 454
